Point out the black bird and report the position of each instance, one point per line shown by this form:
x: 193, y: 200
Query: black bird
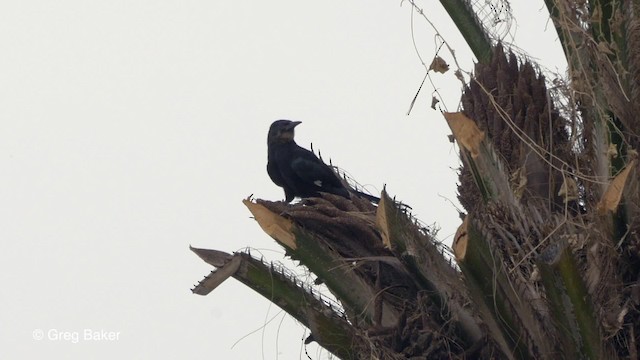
x: 297, y: 170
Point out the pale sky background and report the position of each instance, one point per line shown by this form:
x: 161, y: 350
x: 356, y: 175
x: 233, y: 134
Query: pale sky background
x: 131, y: 129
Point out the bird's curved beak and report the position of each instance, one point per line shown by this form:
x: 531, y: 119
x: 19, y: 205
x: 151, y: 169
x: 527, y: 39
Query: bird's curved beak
x: 294, y: 124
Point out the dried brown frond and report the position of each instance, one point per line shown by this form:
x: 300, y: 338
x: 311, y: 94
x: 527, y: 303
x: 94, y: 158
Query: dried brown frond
x: 509, y: 101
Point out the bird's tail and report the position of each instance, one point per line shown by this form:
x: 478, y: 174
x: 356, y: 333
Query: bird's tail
x: 371, y: 198
x: 376, y: 200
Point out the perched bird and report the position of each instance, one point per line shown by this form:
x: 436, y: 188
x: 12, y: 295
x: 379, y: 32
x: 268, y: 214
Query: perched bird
x: 297, y: 170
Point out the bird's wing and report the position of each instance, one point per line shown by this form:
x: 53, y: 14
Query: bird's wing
x: 274, y: 173
x: 311, y: 169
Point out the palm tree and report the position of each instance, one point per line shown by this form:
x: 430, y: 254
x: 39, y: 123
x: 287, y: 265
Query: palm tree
x: 547, y: 258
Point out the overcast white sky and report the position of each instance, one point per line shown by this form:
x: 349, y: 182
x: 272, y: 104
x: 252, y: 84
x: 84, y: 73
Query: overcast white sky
x: 131, y: 129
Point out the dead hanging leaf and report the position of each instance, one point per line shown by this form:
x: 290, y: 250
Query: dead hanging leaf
x: 461, y: 240
x: 466, y: 132
x: 519, y: 179
x: 535, y: 274
x: 593, y: 275
x: 439, y: 65
x: 611, y: 198
x: 434, y: 102
x: 276, y: 226
x: 596, y: 15
x: 381, y: 222
x: 604, y: 47
x: 612, y: 151
x: 568, y: 190
x: 459, y: 75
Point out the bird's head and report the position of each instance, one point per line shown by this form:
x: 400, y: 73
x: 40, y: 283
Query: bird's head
x: 281, y: 131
